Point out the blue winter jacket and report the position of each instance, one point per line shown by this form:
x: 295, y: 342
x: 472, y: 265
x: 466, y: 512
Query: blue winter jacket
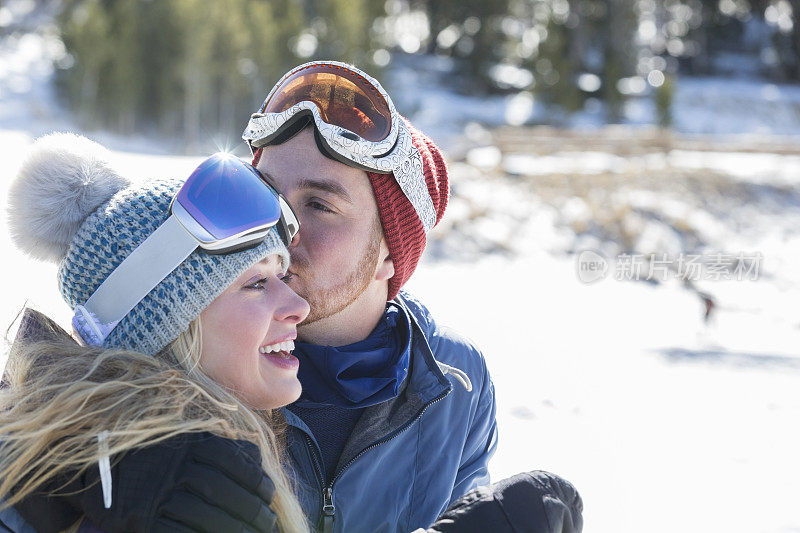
x: 410, y: 457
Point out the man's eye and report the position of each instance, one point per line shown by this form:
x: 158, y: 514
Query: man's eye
x: 319, y: 207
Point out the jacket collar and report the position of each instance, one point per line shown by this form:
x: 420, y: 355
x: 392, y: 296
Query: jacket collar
x: 426, y: 378
x: 425, y: 384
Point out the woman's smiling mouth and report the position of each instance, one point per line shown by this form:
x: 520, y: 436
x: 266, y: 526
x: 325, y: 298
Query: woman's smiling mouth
x: 285, y: 346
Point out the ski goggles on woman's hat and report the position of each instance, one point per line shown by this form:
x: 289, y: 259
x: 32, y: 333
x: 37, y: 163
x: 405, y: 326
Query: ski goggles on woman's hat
x: 355, y: 123
x: 225, y: 206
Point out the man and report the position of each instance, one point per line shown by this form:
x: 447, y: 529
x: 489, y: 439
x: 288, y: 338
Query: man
x: 397, y: 417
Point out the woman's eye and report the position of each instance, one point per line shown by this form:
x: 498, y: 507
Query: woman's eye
x: 258, y: 285
x: 286, y: 277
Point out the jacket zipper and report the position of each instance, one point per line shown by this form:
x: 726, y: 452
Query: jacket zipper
x: 328, y: 509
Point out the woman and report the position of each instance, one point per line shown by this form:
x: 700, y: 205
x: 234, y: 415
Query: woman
x: 179, y: 346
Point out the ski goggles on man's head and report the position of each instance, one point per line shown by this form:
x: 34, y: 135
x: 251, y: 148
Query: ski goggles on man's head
x: 355, y: 122
x: 225, y: 206
x: 343, y: 97
x: 355, y: 119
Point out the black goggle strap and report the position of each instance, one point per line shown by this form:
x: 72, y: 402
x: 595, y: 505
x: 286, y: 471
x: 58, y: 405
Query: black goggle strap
x: 288, y: 225
x: 294, y: 125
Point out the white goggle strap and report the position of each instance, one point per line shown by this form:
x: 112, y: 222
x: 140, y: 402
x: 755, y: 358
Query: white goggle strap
x: 152, y: 261
x: 404, y: 161
x: 410, y: 175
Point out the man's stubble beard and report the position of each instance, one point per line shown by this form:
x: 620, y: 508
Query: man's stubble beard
x: 327, y: 302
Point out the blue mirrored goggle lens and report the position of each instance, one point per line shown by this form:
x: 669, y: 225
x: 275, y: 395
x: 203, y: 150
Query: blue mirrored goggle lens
x: 227, y: 197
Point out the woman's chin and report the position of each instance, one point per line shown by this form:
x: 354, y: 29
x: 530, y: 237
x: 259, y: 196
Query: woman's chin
x: 277, y: 392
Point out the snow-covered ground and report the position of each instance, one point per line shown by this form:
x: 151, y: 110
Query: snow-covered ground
x: 615, y: 387
x: 663, y: 421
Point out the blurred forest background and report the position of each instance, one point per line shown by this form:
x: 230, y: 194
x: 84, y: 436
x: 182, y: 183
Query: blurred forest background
x: 658, y: 129
x: 176, y: 68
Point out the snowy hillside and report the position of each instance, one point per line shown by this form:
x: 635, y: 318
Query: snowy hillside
x: 664, y: 421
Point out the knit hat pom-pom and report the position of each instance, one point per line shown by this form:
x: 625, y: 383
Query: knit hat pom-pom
x: 64, y: 178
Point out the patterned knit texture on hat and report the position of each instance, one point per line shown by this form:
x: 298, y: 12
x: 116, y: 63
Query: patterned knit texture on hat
x: 69, y: 205
x: 114, y: 230
x: 402, y: 227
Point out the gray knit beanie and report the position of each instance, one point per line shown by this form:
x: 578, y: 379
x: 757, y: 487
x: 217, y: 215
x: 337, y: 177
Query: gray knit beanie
x: 68, y: 205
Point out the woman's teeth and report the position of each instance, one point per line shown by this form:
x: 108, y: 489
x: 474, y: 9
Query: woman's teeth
x: 286, y: 346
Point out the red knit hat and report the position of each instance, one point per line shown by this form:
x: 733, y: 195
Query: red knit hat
x: 402, y: 227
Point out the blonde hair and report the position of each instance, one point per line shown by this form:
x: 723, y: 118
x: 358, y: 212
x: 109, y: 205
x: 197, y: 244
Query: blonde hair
x: 58, y: 396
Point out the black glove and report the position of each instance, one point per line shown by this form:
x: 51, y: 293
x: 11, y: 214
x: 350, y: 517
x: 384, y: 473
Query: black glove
x: 532, y: 502
x: 193, y: 482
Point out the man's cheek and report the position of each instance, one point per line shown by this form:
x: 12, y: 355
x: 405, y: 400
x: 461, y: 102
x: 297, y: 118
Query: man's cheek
x: 328, y: 237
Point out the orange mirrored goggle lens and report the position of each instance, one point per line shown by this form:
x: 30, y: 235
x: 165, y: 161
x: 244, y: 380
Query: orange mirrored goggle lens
x: 344, y: 99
